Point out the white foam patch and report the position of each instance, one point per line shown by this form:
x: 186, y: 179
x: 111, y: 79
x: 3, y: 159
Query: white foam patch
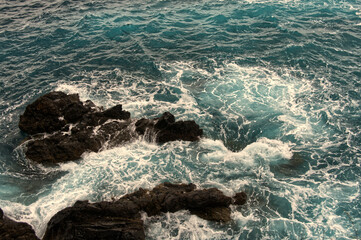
x: 141, y: 96
x: 242, y: 219
x: 182, y: 225
x: 258, y: 92
x: 265, y: 149
x: 340, y: 191
x: 293, y: 107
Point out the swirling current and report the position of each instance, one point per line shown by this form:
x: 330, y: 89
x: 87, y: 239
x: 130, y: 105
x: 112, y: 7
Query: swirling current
x: 275, y: 85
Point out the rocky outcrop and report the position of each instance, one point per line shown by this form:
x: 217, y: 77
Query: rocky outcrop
x: 240, y: 198
x: 11, y: 230
x: 121, y: 219
x: 169, y: 197
x: 62, y: 128
x: 104, y: 220
x: 52, y: 112
x: 165, y: 129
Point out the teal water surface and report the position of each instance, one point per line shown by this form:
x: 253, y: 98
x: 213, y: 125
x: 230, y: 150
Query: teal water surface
x: 275, y: 85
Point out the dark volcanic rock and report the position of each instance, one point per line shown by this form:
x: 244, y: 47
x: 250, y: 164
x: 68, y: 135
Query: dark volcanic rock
x: 104, y: 220
x: 74, y: 127
x: 209, y: 197
x: 121, y: 219
x: 52, y: 112
x: 220, y: 214
x: 164, y: 121
x: 116, y: 112
x: 166, y: 129
x: 182, y: 130
x: 11, y: 230
x: 240, y: 198
x: 61, y: 147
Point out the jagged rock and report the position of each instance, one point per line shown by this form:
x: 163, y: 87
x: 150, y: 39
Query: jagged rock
x: 164, y: 121
x: 11, y: 230
x: 116, y: 112
x: 104, y: 220
x: 61, y: 147
x: 74, y: 127
x: 142, y: 125
x: 121, y: 219
x: 169, y: 197
x: 52, y: 112
x: 166, y: 129
x: 240, y: 198
x: 182, y: 130
x: 209, y: 197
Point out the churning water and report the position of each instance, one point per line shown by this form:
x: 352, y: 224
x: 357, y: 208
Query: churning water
x: 275, y: 85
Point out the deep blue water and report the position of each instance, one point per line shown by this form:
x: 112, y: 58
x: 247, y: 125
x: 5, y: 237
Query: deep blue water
x: 274, y: 84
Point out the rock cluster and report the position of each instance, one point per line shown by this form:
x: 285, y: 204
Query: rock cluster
x: 11, y: 230
x: 62, y: 128
x: 121, y: 219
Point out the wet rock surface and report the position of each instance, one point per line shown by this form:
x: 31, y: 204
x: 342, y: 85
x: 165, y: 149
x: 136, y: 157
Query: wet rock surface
x: 52, y: 112
x: 11, y: 230
x: 166, y: 129
x: 62, y: 128
x: 240, y: 198
x: 121, y: 219
x: 103, y: 220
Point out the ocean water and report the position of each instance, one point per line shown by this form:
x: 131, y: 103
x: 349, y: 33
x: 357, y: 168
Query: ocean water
x: 275, y: 85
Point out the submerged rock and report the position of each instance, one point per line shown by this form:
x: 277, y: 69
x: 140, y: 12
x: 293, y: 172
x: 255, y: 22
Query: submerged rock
x: 121, y: 219
x: 62, y: 128
x: 11, y: 230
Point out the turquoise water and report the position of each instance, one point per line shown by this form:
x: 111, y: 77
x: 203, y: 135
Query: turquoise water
x: 274, y: 84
